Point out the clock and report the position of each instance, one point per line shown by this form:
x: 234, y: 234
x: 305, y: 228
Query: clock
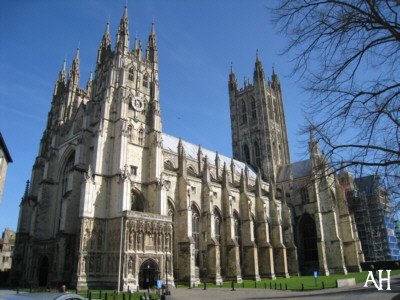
x: 126, y: 62
x: 137, y: 103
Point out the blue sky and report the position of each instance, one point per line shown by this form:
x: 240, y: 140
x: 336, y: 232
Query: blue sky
x: 197, y: 41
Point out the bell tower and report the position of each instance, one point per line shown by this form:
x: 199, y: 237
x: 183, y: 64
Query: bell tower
x: 258, y: 126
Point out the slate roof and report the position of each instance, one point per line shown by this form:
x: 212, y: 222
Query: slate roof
x: 170, y: 143
x: 298, y: 169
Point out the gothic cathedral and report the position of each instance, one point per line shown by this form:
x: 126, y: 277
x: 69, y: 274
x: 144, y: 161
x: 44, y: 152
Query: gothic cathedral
x: 113, y: 199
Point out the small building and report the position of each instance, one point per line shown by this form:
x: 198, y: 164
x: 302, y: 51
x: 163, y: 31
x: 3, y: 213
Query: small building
x: 5, y: 159
x: 7, y: 243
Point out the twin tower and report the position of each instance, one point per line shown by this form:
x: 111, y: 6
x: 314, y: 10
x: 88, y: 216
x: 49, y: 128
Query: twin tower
x: 115, y: 202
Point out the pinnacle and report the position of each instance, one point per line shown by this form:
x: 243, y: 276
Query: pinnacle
x: 125, y: 16
x: 77, y: 54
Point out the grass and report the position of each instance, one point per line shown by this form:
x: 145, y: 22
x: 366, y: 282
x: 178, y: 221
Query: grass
x: 103, y: 294
x: 297, y: 283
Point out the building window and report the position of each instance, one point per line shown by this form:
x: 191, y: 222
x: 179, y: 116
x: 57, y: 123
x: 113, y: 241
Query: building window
x: 133, y: 170
x: 171, y: 211
x: 196, y: 234
x: 257, y: 154
x: 238, y: 234
x: 217, y: 225
x: 254, y: 229
x: 131, y: 74
x: 140, y: 137
x: 304, y: 195
x: 129, y: 133
x: 253, y: 109
x: 244, y: 113
x: 191, y: 171
x: 246, y: 153
x: 66, y: 178
x: 146, y: 80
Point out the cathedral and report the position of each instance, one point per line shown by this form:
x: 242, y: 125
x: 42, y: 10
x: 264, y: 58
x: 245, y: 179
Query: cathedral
x: 114, y: 201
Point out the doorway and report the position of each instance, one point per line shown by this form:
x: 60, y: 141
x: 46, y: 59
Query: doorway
x: 43, y: 271
x: 308, y: 250
x: 148, y: 274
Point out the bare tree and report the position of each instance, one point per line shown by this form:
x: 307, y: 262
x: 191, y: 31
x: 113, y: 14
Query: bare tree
x: 346, y: 55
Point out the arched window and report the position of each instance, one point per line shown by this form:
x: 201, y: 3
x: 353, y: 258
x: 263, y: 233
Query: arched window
x: 131, y: 73
x: 196, y: 234
x: 217, y: 225
x: 253, y: 109
x: 140, y: 136
x: 168, y: 165
x: 146, y: 80
x: 136, y: 202
x: 257, y: 154
x: 238, y: 234
x: 246, y: 153
x: 129, y: 133
x: 254, y: 229
x: 66, y: 175
x: 171, y: 211
x: 304, y: 195
x: 191, y: 171
x: 244, y: 113
x: 269, y: 232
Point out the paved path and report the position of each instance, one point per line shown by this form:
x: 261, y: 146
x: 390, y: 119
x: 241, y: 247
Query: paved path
x: 357, y: 292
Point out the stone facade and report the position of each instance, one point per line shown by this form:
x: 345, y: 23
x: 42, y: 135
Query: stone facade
x: 7, y: 243
x: 5, y: 159
x: 113, y: 199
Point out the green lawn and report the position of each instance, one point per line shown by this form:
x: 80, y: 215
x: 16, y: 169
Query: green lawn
x: 294, y: 283
x: 95, y: 294
x: 104, y: 294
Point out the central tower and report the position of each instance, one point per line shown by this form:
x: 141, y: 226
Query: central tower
x: 258, y: 126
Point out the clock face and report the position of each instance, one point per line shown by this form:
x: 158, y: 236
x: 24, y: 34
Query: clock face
x: 137, y: 103
x: 126, y: 62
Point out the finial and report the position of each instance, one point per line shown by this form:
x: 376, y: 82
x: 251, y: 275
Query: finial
x: 231, y: 67
x: 153, y: 28
x: 125, y: 16
x: 77, y: 52
x: 256, y: 54
x: 108, y: 27
x: 91, y: 76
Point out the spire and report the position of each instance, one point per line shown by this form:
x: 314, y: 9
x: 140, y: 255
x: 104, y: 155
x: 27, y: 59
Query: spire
x: 151, y: 51
x: 106, y: 37
x: 225, y: 179
x: 137, y: 49
x: 217, y: 165
x: 74, y: 73
x: 63, y: 72
x: 275, y: 80
x: 313, y: 144
x: 105, y: 46
x: 259, y: 74
x: 123, y: 34
x: 232, y: 80
x: 61, y: 79
x: 89, y: 84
